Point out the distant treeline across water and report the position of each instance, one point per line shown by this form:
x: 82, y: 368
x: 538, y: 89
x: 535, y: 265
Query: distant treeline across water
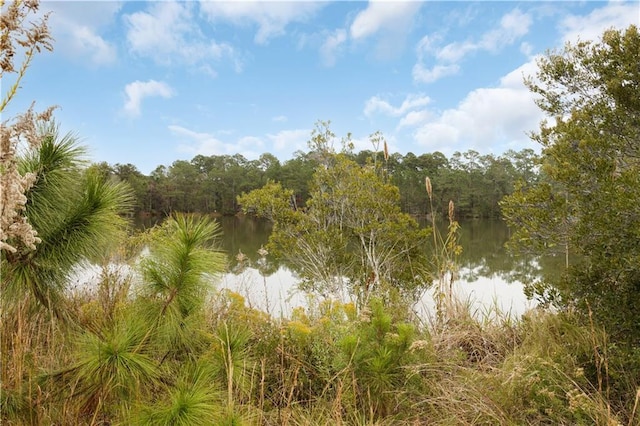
x: 210, y: 184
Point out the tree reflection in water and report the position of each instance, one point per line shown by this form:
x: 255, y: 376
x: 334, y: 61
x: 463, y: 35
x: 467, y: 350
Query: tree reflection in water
x: 489, y: 276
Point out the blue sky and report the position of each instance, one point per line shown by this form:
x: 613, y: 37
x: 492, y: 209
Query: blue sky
x: 149, y: 83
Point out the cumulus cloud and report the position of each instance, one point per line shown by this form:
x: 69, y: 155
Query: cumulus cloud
x: 389, y: 21
x: 423, y: 74
x: 77, y: 29
x: 500, y: 116
x: 200, y: 143
x: 284, y: 143
x: 271, y: 18
x: 167, y: 32
x: 590, y: 27
x: 383, y: 15
x: 513, y: 26
x: 290, y: 140
x: 503, y: 115
x: 138, y: 90
x: 84, y: 39
x: 331, y: 46
x: 376, y: 104
x: 414, y: 118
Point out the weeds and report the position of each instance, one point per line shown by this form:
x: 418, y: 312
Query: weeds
x: 194, y: 356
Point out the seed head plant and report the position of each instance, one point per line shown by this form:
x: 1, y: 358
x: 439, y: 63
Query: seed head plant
x: 16, y: 36
x: 446, y: 252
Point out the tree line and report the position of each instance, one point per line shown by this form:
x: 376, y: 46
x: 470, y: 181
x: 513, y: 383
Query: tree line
x: 211, y: 184
x: 164, y: 347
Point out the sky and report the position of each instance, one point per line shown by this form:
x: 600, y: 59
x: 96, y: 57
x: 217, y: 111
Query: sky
x: 149, y: 83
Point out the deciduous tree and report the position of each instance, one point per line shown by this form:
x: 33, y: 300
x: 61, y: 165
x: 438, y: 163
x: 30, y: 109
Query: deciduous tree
x: 352, y: 235
x: 589, y: 202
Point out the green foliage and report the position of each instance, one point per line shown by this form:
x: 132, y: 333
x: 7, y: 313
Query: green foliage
x: 112, y: 367
x: 351, y: 235
x: 210, y: 184
x: 375, y: 356
x: 229, y: 355
x: 192, y: 401
x: 272, y: 202
x: 177, y: 277
x: 76, y: 214
x: 589, y: 202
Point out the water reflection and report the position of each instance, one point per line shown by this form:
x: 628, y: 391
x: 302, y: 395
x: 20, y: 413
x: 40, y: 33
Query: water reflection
x: 489, y: 276
x: 484, y: 255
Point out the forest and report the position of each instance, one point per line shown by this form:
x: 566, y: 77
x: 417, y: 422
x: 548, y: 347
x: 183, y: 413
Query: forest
x: 155, y: 342
x: 209, y: 184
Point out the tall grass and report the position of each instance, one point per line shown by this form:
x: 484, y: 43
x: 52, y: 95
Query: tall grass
x: 195, y: 356
x: 445, y: 254
x: 321, y: 366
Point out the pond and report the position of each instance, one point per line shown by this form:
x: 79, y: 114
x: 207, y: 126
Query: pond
x: 490, y: 277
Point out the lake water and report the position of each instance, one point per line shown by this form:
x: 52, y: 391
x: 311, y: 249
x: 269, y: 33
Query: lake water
x: 489, y: 278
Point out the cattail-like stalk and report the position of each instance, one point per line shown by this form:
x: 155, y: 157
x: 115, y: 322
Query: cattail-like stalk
x: 386, y: 152
x: 451, y: 210
x: 427, y: 183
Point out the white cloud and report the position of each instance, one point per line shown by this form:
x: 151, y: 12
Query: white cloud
x: 250, y: 141
x: 167, y: 33
x: 389, y: 21
x: 427, y: 44
x: 138, y: 90
x: 423, y: 74
x: 284, y: 143
x: 513, y: 26
x: 197, y: 143
x: 290, y: 140
x: 331, y: 46
x: 87, y: 41
x: 272, y: 18
x: 205, y: 143
x: 414, y: 118
x: 76, y: 29
x: 615, y: 14
x: 454, y: 52
x: 526, y: 48
x: 500, y: 116
x: 159, y: 32
x: 383, y: 15
x: 280, y: 118
x: 376, y: 104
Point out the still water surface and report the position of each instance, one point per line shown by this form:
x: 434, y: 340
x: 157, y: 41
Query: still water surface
x: 490, y: 277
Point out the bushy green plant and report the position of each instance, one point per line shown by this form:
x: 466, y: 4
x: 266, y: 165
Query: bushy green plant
x: 112, y: 368
x: 177, y: 278
x: 77, y: 215
x: 352, y: 235
x: 373, y: 357
x: 191, y: 401
x: 588, y: 202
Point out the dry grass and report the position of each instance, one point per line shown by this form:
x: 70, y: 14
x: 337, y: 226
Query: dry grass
x: 473, y: 368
